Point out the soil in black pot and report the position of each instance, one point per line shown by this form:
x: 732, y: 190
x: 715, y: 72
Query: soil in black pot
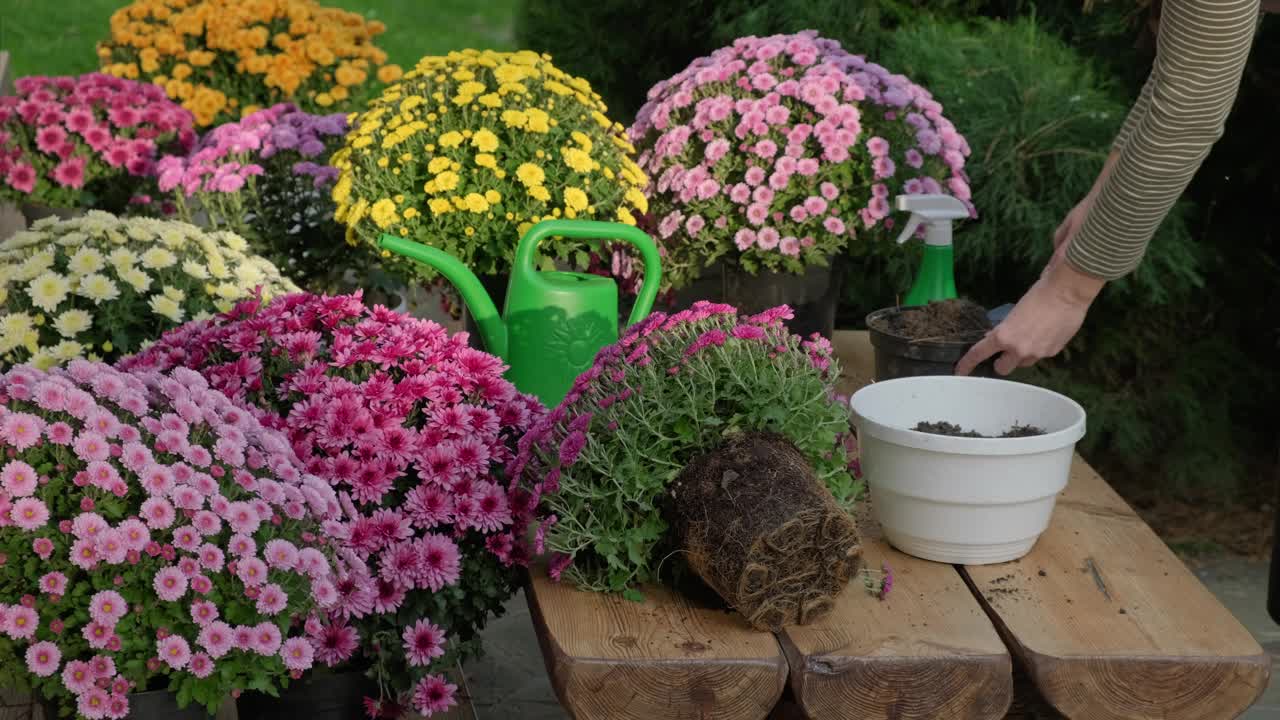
x: 942, y: 321
x: 759, y: 528
x: 942, y: 427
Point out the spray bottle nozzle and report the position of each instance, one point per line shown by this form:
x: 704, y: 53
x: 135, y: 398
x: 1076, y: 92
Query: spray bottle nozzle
x: 936, y: 212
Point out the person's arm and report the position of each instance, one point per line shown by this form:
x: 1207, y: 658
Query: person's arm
x: 1200, y: 56
x: 1201, y: 53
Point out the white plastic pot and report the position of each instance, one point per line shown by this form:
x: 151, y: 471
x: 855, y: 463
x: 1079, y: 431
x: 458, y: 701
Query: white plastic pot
x: 964, y: 500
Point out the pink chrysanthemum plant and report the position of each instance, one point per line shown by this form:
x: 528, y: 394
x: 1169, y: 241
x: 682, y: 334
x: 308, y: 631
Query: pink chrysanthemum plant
x: 86, y: 141
x: 670, y: 389
x: 414, y: 430
x: 154, y: 536
x: 775, y: 153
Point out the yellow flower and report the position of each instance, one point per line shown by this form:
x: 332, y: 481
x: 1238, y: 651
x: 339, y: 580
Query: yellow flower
x: 440, y: 206
x: 492, y: 196
x: 583, y: 141
x: 471, y: 88
x: 578, y: 160
x: 446, y: 181
x: 515, y: 118
x: 575, y: 199
x: 167, y: 307
x: 383, y: 213
x: 98, y: 288
x: 486, y: 160
x: 540, y: 192
x: 157, y: 258
x: 324, y: 99
x: 557, y: 88
x: 539, y: 121
x: 451, y: 139
x: 637, y: 199
x: 438, y: 164
x: 86, y: 260
x: 492, y: 100
x: 485, y: 140
x: 530, y: 175
x: 73, y: 322
x: 411, y: 213
x: 476, y: 203
x: 48, y: 290
x: 626, y: 217
x: 384, y: 161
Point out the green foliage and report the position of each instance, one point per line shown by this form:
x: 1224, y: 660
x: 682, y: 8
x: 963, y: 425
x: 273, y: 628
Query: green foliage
x: 670, y: 390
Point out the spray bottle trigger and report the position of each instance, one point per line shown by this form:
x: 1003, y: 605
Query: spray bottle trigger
x: 912, y: 225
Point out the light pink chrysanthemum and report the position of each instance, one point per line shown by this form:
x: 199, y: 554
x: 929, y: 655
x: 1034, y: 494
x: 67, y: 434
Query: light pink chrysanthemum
x: 423, y: 642
x: 297, y: 654
x: 174, y: 651
x: 43, y: 658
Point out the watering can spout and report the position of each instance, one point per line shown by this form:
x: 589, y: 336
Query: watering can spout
x: 479, y: 304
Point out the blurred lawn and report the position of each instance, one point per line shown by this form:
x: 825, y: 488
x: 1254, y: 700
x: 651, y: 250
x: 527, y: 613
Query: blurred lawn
x: 57, y: 37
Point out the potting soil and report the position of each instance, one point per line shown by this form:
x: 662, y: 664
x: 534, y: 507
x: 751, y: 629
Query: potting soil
x: 942, y: 427
x: 758, y: 527
x: 944, y: 320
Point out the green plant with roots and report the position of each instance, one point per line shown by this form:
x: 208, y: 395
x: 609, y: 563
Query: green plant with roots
x: 674, y: 388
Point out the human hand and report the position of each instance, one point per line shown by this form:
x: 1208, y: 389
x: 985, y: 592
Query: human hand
x: 1043, y: 321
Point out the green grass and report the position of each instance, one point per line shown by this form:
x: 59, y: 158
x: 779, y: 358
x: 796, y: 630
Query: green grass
x: 57, y: 37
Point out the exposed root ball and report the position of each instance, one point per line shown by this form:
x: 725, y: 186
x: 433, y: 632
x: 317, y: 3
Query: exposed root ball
x: 761, y: 530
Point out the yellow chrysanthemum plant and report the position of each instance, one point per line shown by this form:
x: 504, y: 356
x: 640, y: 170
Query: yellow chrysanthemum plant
x: 103, y: 287
x: 225, y: 59
x: 470, y: 150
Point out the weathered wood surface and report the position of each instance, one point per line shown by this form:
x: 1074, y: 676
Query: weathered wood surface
x: 609, y: 657
x: 926, y: 651
x: 1110, y: 624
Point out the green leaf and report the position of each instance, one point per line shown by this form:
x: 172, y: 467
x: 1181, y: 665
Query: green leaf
x: 633, y: 595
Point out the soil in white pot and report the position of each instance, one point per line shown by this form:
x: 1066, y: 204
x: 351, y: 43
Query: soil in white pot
x: 942, y: 427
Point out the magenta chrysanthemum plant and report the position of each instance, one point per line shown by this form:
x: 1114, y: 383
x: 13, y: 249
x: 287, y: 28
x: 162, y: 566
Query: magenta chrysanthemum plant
x: 154, y: 535
x: 414, y: 430
x: 672, y: 389
x: 86, y: 141
x: 776, y: 152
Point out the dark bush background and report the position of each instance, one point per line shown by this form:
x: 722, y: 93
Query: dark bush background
x: 1177, y: 364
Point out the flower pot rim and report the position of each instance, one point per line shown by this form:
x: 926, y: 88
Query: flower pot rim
x: 906, y: 437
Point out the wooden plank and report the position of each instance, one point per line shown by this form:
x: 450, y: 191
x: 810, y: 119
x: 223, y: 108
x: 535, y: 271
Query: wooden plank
x: 1110, y: 624
x: 926, y: 651
x: 611, y: 658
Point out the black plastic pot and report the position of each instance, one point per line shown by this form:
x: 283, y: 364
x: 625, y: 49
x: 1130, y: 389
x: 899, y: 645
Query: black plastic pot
x: 496, y: 287
x: 812, y: 296
x: 898, y: 356
x: 152, y: 705
x: 318, y: 696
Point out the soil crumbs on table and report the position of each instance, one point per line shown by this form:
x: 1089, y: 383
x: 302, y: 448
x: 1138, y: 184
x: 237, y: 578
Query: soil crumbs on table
x: 944, y: 320
x: 942, y: 427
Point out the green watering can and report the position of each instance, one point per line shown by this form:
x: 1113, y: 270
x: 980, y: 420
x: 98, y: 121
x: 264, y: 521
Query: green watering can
x: 553, y: 323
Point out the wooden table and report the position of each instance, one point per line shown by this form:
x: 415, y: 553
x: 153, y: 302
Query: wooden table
x: 1099, y: 621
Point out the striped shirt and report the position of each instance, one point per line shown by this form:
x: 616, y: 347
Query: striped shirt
x: 1200, y: 57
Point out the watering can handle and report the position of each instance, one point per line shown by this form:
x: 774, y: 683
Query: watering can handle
x: 595, y: 229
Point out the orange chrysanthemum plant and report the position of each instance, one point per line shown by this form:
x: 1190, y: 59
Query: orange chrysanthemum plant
x: 224, y: 59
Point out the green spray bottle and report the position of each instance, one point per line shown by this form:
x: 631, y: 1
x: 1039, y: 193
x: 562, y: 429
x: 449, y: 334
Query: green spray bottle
x: 935, y: 280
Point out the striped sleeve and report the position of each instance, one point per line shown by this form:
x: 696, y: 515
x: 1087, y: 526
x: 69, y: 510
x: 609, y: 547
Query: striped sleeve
x: 1136, y: 114
x: 1200, y: 56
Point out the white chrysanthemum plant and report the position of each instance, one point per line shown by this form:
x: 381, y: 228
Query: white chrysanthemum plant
x: 102, y: 287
